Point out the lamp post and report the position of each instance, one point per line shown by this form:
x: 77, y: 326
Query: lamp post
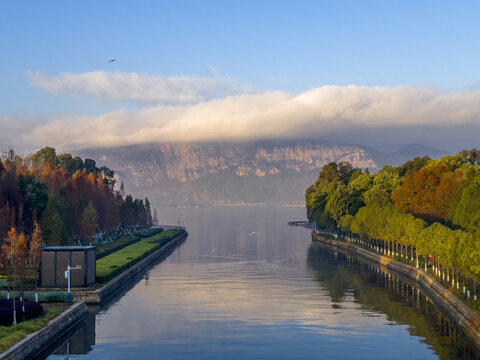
x: 67, y: 275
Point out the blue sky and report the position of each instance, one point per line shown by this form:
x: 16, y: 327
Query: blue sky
x: 259, y: 46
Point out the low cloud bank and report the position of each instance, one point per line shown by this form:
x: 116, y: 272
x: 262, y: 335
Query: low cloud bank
x: 377, y: 116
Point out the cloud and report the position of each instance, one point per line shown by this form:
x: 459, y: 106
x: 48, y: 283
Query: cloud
x: 135, y: 87
x: 354, y: 114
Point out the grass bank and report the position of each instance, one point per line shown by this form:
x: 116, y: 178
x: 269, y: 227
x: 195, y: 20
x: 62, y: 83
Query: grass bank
x: 106, y: 249
x: 10, y: 335
x: 115, y: 263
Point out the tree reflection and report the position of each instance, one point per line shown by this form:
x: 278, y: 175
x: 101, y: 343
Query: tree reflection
x: 378, y: 291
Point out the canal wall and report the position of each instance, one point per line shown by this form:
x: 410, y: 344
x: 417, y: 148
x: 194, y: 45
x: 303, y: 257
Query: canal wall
x: 102, y: 294
x: 467, y: 320
x: 34, y: 343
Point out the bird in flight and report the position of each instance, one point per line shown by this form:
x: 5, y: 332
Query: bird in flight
x: 111, y: 60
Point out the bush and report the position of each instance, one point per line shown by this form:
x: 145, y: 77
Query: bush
x: 32, y: 310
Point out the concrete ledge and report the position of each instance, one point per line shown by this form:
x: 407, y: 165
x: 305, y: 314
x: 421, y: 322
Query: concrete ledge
x: 117, y: 283
x: 34, y: 343
x: 467, y: 320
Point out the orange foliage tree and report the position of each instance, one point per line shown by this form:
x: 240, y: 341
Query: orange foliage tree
x: 428, y: 193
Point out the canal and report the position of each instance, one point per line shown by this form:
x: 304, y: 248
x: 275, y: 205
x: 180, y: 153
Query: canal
x: 246, y: 285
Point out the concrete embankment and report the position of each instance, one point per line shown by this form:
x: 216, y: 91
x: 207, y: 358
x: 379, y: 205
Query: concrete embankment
x: 117, y: 283
x: 34, y: 343
x: 467, y: 320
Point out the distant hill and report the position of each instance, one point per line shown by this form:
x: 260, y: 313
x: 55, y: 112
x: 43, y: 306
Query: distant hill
x: 415, y: 150
x: 234, y: 173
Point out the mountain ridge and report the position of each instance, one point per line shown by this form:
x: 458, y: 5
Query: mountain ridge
x: 270, y: 171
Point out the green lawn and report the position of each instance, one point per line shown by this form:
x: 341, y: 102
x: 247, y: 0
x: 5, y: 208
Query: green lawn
x: 103, y: 250
x: 113, y: 264
x: 10, y: 335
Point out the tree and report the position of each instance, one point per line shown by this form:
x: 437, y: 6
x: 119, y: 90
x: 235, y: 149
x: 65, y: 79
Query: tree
x: 148, y: 212
x: 35, y: 252
x: 21, y: 266
x: 428, y: 193
x: 337, y: 205
x: 384, y: 183
x: 467, y: 211
x: 9, y: 259
x: 89, y: 222
x: 155, y: 217
x: 51, y: 223
x: 46, y: 155
x: 35, y: 197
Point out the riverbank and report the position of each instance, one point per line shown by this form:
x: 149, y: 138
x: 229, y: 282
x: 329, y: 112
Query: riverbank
x: 102, y: 294
x: 34, y: 343
x: 466, y: 319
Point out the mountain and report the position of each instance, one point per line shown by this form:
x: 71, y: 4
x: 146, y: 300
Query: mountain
x: 230, y: 173
x: 415, y: 150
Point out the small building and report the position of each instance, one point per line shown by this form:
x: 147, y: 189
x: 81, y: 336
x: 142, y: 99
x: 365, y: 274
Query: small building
x: 55, y: 260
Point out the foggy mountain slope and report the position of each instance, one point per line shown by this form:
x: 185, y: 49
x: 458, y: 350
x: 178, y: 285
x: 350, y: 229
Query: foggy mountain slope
x: 229, y: 173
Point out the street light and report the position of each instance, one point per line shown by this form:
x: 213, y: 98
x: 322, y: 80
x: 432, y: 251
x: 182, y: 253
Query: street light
x: 67, y: 275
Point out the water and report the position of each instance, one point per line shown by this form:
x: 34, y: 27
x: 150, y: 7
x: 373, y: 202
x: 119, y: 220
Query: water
x: 246, y: 285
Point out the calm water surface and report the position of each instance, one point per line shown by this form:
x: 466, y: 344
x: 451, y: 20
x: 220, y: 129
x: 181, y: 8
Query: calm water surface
x: 246, y: 285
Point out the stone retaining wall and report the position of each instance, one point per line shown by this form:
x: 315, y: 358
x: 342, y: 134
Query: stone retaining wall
x: 465, y: 318
x: 36, y: 342
x: 117, y: 283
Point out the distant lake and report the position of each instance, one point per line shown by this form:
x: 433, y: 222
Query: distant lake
x: 245, y: 285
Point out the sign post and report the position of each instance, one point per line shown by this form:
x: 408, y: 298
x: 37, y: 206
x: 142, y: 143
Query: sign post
x: 67, y: 275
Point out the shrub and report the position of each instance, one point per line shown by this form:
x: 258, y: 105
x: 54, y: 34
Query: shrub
x: 32, y: 310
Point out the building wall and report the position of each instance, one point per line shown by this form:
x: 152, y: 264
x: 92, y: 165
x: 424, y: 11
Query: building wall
x: 55, y: 262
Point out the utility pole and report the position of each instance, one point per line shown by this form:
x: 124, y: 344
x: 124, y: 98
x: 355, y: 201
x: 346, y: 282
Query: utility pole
x: 67, y: 275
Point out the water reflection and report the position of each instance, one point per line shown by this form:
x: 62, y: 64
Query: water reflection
x: 383, y: 293
x: 272, y: 294
x: 81, y: 341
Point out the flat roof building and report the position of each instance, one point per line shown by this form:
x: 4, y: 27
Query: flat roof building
x: 55, y: 260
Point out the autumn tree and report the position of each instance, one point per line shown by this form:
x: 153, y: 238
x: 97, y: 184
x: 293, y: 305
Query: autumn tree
x: 428, y: 193
x: 35, y: 252
x: 10, y: 261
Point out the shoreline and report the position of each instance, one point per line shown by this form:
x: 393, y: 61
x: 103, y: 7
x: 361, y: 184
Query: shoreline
x: 466, y: 319
x: 101, y: 295
x: 34, y: 343
x: 37, y: 342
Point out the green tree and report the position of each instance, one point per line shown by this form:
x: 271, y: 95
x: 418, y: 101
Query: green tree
x: 46, y: 155
x: 51, y: 223
x: 35, y: 197
x: 467, y: 209
x: 89, y: 222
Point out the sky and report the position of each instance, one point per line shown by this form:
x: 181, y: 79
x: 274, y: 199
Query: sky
x: 384, y: 74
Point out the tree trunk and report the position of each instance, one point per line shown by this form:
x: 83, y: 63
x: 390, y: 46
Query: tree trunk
x: 458, y: 280
x: 474, y: 289
x: 14, y: 303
